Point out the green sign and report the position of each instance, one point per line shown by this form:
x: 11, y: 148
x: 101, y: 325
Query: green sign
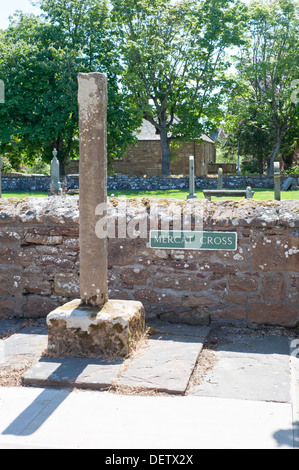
x: 188, y: 240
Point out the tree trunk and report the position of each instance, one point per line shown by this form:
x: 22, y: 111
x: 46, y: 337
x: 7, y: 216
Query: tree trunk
x: 64, y: 150
x: 165, y: 148
x: 288, y: 159
x: 261, y: 167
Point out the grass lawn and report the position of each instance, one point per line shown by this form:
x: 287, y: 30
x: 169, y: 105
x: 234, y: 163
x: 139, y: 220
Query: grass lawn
x: 22, y: 195
x: 260, y: 194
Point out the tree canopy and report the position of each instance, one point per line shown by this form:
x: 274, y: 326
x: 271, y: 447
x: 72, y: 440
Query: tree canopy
x: 40, y: 59
x: 262, y: 112
x: 167, y: 61
x: 174, y: 61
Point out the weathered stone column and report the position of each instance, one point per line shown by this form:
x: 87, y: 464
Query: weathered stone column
x: 92, y: 97
x: 55, y: 175
x: 94, y: 326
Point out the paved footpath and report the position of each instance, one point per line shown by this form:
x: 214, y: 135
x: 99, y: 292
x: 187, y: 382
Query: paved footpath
x: 186, y: 388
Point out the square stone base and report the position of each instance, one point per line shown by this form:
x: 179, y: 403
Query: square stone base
x: 111, y: 331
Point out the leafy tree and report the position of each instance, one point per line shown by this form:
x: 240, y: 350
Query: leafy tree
x: 248, y: 131
x: 262, y: 113
x: 39, y: 62
x: 86, y: 27
x: 290, y: 142
x: 173, y: 55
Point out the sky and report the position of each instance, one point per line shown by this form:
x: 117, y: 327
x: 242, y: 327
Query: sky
x: 8, y: 8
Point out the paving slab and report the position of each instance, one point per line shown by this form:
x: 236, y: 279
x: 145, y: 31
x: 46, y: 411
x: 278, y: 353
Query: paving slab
x: 249, y: 367
x: 72, y: 372
x: 9, y: 326
x: 15, y: 325
x: 178, y: 329
x: 249, y: 399
x: 22, y: 348
x: 166, y: 364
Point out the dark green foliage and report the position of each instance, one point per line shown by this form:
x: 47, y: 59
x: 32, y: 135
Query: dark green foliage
x: 39, y: 62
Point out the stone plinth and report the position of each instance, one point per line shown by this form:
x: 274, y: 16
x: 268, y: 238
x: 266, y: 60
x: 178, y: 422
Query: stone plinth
x: 112, y: 330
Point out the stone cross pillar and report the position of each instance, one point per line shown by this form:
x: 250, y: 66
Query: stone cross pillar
x: 220, y: 179
x: 93, y: 186
x: 94, y: 326
x: 277, y: 181
x: 191, y: 194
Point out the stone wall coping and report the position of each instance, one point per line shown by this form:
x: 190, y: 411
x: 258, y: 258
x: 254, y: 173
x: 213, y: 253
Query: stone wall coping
x: 244, y: 213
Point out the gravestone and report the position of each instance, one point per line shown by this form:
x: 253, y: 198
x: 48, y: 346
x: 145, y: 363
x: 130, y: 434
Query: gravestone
x: 220, y: 179
x: 290, y: 184
x: 55, y: 176
x: 249, y: 192
x: 277, y: 181
x: 94, y: 326
x: 191, y: 194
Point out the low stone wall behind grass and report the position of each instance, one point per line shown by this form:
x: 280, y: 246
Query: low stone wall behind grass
x: 256, y: 285
x: 19, y: 182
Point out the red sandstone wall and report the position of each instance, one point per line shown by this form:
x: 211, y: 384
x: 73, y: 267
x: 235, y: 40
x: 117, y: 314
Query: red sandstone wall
x: 145, y: 159
x: 257, y: 284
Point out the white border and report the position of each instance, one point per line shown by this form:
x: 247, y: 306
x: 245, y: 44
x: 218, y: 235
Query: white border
x: 2, y: 351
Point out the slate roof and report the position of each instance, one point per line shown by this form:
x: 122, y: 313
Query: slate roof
x: 148, y: 132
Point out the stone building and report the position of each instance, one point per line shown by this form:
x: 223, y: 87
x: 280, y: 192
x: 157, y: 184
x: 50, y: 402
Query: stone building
x: 145, y: 158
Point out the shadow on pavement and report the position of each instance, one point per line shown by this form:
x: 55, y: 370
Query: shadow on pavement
x: 33, y: 417
x: 289, y: 437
